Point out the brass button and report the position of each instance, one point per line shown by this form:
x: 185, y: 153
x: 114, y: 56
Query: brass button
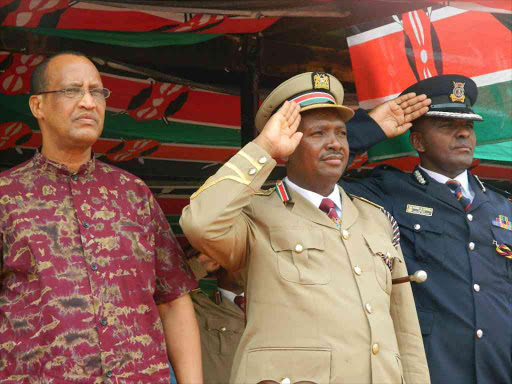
x: 252, y: 171
x: 470, y: 217
x: 223, y: 329
x: 375, y: 348
x: 345, y: 234
x: 286, y: 380
x: 479, y: 333
x: 471, y: 246
x: 262, y: 160
x: 357, y: 270
x: 299, y: 248
x: 368, y: 308
x: 417, y: 227
x: 476, y: 287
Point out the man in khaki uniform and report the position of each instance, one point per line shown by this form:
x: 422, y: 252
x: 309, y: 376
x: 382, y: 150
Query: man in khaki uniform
x: 321, y: 307
x: 221, y: 320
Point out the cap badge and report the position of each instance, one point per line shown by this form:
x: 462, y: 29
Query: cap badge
x: 321, y: 81
x: 458, y: 92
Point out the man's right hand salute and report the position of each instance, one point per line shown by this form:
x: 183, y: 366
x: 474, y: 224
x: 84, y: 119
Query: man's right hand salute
x: 279, y: 137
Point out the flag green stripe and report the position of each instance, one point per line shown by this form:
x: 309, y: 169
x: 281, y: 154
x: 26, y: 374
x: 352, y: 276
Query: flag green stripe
x: 124, y: 39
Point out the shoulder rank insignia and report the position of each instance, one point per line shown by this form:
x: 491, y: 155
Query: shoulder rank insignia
x: 458, y: 92
x: 321, y: 81
x: 419, y: 177
x: 282, y: 191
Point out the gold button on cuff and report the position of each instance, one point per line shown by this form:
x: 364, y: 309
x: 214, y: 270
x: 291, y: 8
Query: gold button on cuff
x: 223, y: 329
x: 375, y: 348
x: 357, y: 270
x: 262, y: 160
x: 299, y: 248
x: 368, y: 308
x: 252, y: 171
x: 345, y: 234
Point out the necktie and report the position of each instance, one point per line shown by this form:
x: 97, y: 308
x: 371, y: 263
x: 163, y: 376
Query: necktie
x: 240, y: 301
x: 455, y: 186
x: 327, y: 205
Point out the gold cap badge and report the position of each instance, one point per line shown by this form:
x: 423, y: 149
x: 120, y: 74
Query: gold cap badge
x: 458, y: 92
x: 321, y: 81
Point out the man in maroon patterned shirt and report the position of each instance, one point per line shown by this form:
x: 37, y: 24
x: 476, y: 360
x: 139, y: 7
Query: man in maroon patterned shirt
x: 93, y: 285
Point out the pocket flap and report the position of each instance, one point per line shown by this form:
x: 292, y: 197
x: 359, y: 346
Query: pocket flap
x: 286, y: 239
x: 296, y: 364
x: 379, y: 243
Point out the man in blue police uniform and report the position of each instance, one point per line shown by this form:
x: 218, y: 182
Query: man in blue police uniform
x: 459, y: 231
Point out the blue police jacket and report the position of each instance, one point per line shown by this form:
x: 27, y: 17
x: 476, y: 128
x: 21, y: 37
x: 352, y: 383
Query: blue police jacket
x: 465, y: 306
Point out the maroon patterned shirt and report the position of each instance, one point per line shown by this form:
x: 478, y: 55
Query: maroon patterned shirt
x: 86, y: 258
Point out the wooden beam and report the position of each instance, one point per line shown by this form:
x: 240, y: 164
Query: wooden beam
x: 249, y: 93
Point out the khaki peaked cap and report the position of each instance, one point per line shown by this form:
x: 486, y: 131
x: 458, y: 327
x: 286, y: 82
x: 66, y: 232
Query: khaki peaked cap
x: 310, y: 90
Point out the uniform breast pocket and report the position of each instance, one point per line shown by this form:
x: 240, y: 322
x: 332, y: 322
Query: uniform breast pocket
x: 502, y: 243
x: 422, y: 238
x: 384, y: 254
x: 301, y: 255
x: 223, y: 335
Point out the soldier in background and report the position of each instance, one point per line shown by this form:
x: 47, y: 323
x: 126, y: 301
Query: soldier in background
x: 219, y: 303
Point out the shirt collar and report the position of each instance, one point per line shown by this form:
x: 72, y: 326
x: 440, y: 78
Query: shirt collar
x: 313, y: 197
x: 462, y: 178
x: 54, y: 167
x: 228, y: 295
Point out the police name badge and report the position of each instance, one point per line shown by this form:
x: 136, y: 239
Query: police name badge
x: 458, y: 92
x: 417, y: 210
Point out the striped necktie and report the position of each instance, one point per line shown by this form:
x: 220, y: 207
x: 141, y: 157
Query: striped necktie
x: 327, y: 205
x: 455, y: 186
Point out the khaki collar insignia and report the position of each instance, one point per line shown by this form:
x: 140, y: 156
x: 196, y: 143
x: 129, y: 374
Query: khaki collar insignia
x: 321, y: 81
x: 458, y: 92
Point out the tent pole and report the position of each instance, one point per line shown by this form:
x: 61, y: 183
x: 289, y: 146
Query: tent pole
x: 249, y: 92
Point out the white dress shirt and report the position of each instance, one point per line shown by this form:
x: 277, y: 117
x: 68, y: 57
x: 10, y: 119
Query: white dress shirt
x: 228, y: 295
x: 467, y: 192
x: 315, y: 198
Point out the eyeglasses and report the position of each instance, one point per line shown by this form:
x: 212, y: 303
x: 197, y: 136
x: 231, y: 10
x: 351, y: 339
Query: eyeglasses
x: 77, y: 92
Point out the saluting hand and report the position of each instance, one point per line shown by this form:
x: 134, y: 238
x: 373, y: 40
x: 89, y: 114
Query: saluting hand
x: 395, y: 116
x: 279, y: 136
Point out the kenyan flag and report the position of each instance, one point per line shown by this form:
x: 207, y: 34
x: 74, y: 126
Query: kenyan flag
x: 389, y: 56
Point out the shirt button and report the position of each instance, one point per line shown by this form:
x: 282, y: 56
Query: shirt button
x: 345, y: 234
x: 470, y: 217
x: 375, y: 348
x: 286, y: 380
x: 476, y: 287
x: 368, y: 308
x: 74, y: 177
x: 357, y: 270
x: 262, y: 160
x: 94, y: 266
x: 109, y: 374
x: 417, y: 227
x: 85, y: 224
x: 471, y: 246
x: 299, y: 248
x: 223, y: 329
x: 252, y: 171
x: 479, y: 333
x: 103, y: 321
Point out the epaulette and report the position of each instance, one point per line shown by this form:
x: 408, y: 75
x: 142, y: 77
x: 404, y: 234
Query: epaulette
x: 507, y: 195
x: 365, y: 200
x: 266, y: 192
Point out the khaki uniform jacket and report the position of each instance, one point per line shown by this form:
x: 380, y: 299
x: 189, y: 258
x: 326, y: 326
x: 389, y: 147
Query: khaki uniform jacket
x: 221, y: 327
x: 320, y: 304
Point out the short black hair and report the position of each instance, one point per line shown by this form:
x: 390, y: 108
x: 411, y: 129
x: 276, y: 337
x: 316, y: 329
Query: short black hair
x: 39, y: 80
